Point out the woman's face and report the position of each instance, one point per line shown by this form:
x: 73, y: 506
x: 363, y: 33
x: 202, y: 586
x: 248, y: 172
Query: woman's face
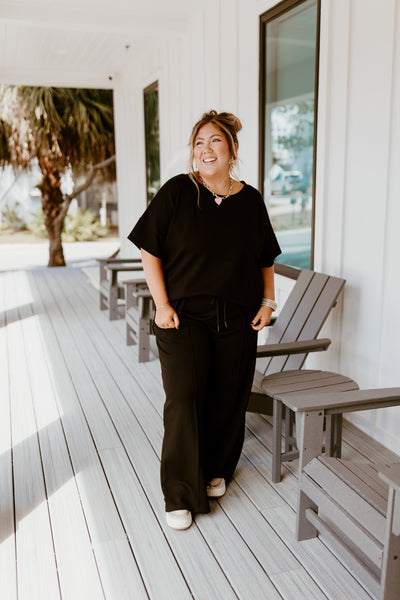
x: 211, y: 152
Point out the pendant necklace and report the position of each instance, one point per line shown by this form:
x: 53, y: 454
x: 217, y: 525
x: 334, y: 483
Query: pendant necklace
x: 218, y: 197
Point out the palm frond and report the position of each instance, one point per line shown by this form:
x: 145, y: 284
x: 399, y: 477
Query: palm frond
x: 74, y: 126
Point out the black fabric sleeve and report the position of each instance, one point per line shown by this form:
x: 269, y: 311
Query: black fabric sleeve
x: 270, y: 248
x: 151, y: 229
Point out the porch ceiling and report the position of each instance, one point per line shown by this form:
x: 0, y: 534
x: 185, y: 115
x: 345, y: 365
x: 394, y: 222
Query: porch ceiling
x: 52, y: 38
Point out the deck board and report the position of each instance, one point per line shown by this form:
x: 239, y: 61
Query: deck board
x: 82, y: 420
x: 7, y: 531
x: 37, y: 575
x: 76, y: 566
x: 117, y: 565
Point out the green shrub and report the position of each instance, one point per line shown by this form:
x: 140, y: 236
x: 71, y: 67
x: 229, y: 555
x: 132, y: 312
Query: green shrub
x: 37, y: 225
x: 80, y: 226
x: 10, y: 218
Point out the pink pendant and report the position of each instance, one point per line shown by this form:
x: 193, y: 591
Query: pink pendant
x: 218, y: 200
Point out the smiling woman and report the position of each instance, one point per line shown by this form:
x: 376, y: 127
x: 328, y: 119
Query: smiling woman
x: 201, y: 234
x: 214, y: 147
x: 212, y: 155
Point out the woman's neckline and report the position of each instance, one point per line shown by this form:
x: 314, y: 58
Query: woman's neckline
x: 243, y: 185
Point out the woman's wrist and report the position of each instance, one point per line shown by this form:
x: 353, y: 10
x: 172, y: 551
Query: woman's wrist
x: 270, y: 303
x: 159, y: 306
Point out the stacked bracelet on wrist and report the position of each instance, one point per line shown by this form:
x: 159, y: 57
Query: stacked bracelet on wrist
x: 270, y: 303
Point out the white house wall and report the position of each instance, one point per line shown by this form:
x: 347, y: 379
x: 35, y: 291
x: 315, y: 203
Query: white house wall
x: 215, y: 65
x: 358, y: 185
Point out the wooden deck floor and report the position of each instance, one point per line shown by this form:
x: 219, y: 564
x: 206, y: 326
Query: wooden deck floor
x: 82, y: 514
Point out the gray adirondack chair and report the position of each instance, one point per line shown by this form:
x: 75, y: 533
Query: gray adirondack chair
x: 110, y: 287
x: 139, y: 316
x: 294, y: 332
x: 363, y: 503
x: 292, y: 336
x: 354, y: 507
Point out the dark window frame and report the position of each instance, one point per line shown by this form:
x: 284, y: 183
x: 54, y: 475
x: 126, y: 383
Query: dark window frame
x: 150, y: 88
x: 278, y: 10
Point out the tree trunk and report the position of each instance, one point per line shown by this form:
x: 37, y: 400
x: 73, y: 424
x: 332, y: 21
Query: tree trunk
x: 56, y: 253
x: 55, y: 205
x: 52, y: 204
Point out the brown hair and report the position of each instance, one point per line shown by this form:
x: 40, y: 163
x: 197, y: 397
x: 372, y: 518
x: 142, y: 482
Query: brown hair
x: 228, y: 124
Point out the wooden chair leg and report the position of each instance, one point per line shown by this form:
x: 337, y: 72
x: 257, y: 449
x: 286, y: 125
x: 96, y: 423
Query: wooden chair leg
x: 338, y: 435
x: 309, y: 426
x: 276, y: 441
x: 102, y: 284
x: 304, y: 529
x: 113, y: 303
x: 143, y: 340
x: 390, y: 580
x: 329, y: 435
x: 289, y: 419
x: 309, y: 431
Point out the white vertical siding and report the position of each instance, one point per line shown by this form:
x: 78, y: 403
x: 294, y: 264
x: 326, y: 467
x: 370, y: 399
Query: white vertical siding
x: 388, y: 422
x: 216, y: 65
x: 247, y: 89
x: 357, y: 183
x: 197, y: 65
x: 229, y: 38
x: 369, y: 114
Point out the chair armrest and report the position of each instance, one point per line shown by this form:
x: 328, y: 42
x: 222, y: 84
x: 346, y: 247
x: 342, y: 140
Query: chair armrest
x: 124, y: 267
x: 119, y: 260
x: 340, y: 402
x: 131, y: 283
x: 391, y: 475
x: 298, y: 347
x: 142, y: 294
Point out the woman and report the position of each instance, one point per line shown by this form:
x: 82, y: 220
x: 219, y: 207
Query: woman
x: 208, y: 250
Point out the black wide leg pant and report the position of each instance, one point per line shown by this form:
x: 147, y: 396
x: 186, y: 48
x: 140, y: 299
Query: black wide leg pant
x: 207, y: 369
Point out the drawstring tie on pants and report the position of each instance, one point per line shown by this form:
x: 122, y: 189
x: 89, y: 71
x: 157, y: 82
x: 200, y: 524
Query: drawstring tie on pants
x: 218, y: 307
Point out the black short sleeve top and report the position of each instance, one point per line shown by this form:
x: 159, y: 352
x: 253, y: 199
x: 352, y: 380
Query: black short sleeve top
x: 208, y: 248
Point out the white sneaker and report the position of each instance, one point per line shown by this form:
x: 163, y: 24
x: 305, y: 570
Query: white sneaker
x: 216, y: 487
x: 179, y: 519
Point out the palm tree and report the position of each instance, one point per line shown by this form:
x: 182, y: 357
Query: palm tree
x: 61, y: 129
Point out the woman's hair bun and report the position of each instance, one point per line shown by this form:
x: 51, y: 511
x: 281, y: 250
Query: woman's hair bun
x: 233, y: 121
x: 228, y: 119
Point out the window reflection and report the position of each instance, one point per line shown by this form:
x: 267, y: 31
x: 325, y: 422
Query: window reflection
x: 290, y: 63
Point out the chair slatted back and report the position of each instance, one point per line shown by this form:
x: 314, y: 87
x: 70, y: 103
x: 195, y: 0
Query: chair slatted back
x: 302, y: 317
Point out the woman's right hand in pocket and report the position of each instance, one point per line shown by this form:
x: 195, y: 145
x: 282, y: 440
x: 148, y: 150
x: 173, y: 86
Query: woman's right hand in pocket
x: 167, y: 318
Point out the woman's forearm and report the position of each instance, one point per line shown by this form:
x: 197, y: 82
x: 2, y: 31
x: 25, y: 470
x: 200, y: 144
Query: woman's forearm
x: 263, y: 316
x: 153, y: 271
x: 166, y: 316
x: 268, y: 278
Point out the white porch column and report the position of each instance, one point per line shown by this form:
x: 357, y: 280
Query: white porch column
x: 130, y: 152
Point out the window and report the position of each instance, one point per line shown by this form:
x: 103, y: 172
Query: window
x: 152, y: 139
x: 288, y: 106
